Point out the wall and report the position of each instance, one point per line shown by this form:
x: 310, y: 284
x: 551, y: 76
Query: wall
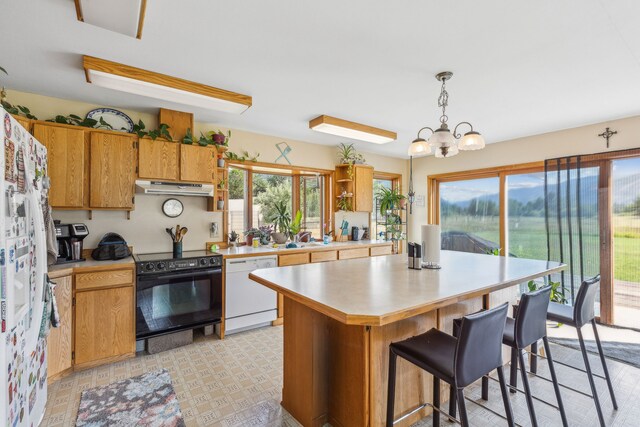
x: 145, y: 230
x: 582, y: 140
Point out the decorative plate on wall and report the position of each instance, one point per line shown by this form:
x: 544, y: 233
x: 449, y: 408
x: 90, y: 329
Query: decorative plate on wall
x: 117, y: 119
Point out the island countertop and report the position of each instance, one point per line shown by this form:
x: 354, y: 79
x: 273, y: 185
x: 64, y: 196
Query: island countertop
x: 382, y: 290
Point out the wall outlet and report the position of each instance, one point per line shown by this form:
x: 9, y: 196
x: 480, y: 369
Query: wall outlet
x: 214, y: 231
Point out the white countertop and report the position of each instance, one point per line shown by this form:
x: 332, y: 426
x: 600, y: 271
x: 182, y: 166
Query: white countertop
x: 380, y: 290
x: 244, y: 251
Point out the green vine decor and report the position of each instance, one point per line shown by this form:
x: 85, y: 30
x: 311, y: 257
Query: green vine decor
x: 162, y: 131
x: 75, y: 120
x: 18, y: 110
x: 229, y: 155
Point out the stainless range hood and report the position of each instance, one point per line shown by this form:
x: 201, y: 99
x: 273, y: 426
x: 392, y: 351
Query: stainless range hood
x: 174, y: 188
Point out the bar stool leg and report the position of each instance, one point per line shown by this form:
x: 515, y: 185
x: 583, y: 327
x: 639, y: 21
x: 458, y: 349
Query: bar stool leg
x: 452, y: 401
x: 464, y: 421
x: 594, y: 391
x: 604, y: 364
x: 533, y: 358
x: 436, y: 401
x: 391, y: 391
x: 505, y: 397
x: 554, y: 379
x: 513, y: 374
x: 485, y: 388
x: 527, y: 390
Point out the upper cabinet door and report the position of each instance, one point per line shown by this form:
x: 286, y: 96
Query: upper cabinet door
x: 363, y: 189
x: 66, y: 164
x: 158, y: 159
x: 112, y: 171
x: 197, y: 164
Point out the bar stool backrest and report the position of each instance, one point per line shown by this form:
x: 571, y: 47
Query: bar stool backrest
x: 479, y: 347
x: 583, y: 307
x: 531, y: 318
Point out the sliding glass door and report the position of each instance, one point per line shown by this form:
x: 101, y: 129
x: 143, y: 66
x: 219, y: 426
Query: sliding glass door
x: 626, y: 242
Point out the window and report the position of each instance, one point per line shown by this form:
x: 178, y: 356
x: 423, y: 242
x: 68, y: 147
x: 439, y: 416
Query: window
x: 268, y: 191
x: 311, y: 204
x: 377, y: 223
x: 254, y: 192
x: 237, y: 200
x: 527, y: 234
x: 470, y: 215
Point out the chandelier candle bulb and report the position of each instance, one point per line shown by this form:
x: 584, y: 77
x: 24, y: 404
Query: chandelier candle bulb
x: 431, y: 246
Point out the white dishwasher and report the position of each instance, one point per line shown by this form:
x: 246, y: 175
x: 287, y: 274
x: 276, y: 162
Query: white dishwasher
x: 248, y: 304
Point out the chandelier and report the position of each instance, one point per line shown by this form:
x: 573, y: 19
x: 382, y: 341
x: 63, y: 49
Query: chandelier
x: 442, y: 140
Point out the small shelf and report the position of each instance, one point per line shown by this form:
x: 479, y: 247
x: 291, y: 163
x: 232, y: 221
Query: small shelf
x: 222, y: 189
x: 344, y: 180
x: 221, y: 169
x: 341, y: 197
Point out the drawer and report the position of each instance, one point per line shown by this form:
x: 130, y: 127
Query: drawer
x: 353, y: 253
x: 380, y: 250
x: 103, y: 279
x: 293, y: 259
x: 324, y: 256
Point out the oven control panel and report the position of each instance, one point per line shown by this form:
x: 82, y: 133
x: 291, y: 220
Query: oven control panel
x: 165, y: 266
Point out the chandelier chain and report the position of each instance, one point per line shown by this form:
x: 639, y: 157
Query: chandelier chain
x: 443, y: 102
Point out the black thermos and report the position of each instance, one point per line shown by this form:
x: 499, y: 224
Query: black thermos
x: 410, y: 252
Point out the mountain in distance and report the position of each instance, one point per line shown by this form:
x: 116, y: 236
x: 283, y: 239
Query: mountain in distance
x: 625, y: 191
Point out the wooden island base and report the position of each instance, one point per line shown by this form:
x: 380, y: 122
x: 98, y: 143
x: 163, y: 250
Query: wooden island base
x: 337, y: 373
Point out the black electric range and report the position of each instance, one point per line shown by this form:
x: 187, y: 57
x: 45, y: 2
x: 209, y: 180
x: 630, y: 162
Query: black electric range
x: 175, y: 294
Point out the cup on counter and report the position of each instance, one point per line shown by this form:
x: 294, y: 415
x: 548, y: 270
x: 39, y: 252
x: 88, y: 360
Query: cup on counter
x: 256, y: 242
x: 326, y: 239
x: 76, y: 249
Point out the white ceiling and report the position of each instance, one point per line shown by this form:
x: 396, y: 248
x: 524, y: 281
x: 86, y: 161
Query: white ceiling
x: 520, y: 67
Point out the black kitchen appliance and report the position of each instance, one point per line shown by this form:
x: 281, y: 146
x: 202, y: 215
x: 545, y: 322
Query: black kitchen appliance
x: 175, y: 294
x: 70, y: 237
x: 355, y: 233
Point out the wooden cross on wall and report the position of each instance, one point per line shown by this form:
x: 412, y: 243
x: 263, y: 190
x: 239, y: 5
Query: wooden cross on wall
x: 608, y: 133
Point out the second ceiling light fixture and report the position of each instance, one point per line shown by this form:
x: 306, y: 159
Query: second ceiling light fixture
x: 442, y: 140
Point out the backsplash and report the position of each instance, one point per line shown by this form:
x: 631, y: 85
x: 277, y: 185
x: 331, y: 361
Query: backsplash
x: 145, y: 231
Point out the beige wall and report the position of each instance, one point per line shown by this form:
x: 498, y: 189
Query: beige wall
x: 145, y: 229
x: 582, y: 140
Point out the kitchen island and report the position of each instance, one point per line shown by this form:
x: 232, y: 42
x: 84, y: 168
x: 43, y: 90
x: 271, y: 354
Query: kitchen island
x: 340, y: 318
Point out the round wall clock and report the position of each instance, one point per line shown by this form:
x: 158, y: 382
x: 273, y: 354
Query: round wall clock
x: 172, y: 208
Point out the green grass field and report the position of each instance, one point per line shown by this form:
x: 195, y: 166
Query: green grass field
x: 528, y: 239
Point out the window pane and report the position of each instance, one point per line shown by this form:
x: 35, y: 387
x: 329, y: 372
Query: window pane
x: 527, y: 233
x: 268, y: 190
x: 470, y: 215
x: 237, y: 201
x: 378, y: 230
x: 311, y: 204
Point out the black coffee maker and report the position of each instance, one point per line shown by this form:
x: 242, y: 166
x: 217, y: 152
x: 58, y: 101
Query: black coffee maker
x: 70, y: 237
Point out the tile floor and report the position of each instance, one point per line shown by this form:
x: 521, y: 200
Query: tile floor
x: 237, y: 382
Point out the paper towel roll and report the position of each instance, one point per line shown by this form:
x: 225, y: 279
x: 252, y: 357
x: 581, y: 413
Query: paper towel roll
x: 431, y: 244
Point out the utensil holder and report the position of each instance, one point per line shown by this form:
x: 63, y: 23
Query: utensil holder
x: 177, y: 249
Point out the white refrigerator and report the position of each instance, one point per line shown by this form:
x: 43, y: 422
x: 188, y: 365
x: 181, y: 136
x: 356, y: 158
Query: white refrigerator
x: 23, y: 264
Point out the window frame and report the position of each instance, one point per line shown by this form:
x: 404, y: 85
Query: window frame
x: 295, y: 172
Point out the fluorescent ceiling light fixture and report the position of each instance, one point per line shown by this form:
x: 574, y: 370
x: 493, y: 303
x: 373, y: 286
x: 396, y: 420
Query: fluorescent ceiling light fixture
x: 122, y: 16
x: 113, y: 75
x: 347, y: 129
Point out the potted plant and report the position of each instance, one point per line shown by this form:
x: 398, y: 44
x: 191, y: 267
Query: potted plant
x: 219, y: 137
x: 222, y: 183
x: 220, y: 204
x: 346, y: 153
x: 389, y: 198
x: 294, y: 227
x: 344, y: 202
x: 250, y: 234
x: 233, y: 239
x: 281, y: 222
x: 220, y: 161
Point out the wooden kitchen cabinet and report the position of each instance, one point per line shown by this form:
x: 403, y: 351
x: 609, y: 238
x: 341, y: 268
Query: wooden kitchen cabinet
x: 104, y: 324
x: 112, y: 171
x: 358, y: 185
x: 60, y: 339
x: 197, y: 164
x: 24, y: 122
x: 158, y: 159
x: 67, y: 160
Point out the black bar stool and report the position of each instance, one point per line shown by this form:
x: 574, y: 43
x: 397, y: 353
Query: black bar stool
x: 457, y: 361
x: 528, y: 327
x: 577, y: 316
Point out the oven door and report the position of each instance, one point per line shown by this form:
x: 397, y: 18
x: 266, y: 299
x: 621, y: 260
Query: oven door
x: 170, y: 302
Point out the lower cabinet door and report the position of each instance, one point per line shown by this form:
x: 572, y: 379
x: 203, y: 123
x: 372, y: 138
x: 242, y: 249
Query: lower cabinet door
x: 104, y: 324
x: 59, y: 341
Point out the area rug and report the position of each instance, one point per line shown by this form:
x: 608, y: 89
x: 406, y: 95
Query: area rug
x: 628, y: 353
x: 146, y: 400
